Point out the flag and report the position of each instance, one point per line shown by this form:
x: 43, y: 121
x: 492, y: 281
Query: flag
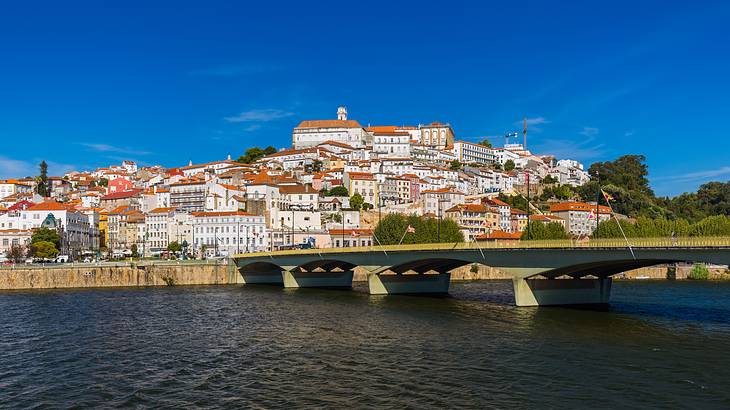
x: 410, y: 229
x: 608, y: 197
x: 592, y: 215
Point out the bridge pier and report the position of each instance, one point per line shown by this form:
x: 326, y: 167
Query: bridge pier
x: 546, y: 292
x: 272, y: 277
x: 409, y: 284
x: 298, y: 279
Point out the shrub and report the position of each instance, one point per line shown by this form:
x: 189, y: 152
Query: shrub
x: 699, y: 272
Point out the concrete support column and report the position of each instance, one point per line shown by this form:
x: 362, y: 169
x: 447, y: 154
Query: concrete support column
x: 272, y: 277
x: 294, y: 279
x: 545, y: 292
x: 409, y: 284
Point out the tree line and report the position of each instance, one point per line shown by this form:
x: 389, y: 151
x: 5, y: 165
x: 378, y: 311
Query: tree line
x: 718, y: 225
x: 393, y: 227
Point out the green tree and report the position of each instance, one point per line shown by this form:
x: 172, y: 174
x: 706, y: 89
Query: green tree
x: 174, y: 247
x: 455, y: 165
x: 549, y: 179
x: 46, y: 235
x: 393, y: 227
x: 486, y: 143
x: 509, y: 165
x: 356, y: 202
x: 103, y: 182
x: 255, y: 153
x: 317, y: 166
x: 16, y: 253
x: 541, y: 231
x: 44, y: 250
x: 135, y: 253
x: 514, y: 201
x: 366, y: 206
x: 42, y: 180
x: 337, y: 191
x: 626, y: 180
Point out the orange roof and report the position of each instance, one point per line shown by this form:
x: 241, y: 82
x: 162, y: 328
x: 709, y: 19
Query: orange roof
x: 496, y: 202
x: 162, y: 210
x: 360, y: 175
x: 50, y: 206
x: 579, y: 206
x: 329, y: 124
x: 296, y: 189
x: 545, y: 218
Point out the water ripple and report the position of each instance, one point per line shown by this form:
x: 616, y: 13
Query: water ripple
x: 659, y: 345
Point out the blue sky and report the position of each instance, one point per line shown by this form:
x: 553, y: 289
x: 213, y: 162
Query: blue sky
x: 85, y: 84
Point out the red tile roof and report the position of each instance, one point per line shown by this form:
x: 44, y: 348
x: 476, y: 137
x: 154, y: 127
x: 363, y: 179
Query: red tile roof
x: 122, y: 195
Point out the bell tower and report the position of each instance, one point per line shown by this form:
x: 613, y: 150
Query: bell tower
x: 342, y: 113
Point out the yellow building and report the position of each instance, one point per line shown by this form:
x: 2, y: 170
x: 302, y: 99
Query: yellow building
x: 103, y: 227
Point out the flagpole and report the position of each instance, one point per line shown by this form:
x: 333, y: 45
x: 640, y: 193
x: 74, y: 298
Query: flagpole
x: 403, y: 237
x: 381, y: 245
x: 619, y: 226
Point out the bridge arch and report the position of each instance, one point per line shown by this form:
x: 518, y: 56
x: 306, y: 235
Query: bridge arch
x: 605, y: 269
x: 440, y: 265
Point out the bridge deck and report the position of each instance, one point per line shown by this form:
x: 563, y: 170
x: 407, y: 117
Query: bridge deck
x: 635, y: 243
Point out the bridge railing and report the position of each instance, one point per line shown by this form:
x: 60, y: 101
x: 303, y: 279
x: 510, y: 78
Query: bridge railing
x: 683, y: 242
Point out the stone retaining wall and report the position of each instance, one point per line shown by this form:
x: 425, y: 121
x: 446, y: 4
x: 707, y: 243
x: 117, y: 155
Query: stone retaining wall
x: 116, y: 276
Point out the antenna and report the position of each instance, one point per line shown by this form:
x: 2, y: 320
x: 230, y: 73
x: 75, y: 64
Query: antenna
x: 524, y: 134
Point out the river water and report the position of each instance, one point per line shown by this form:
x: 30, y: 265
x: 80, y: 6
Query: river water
x: 660, y: 344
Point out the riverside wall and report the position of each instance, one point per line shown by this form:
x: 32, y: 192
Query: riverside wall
x: 131, y: 275
x: 116, y: 276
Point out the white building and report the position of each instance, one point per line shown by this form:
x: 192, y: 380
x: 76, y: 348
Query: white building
x: 391, y: 144
x: 469, y: 153
x: 228, y: 233
x: 310, y: 133
x: 78, y: 234
x: 12, y: 187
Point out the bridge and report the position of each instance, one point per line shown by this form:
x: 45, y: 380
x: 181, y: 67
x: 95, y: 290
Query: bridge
x: 544, y: 272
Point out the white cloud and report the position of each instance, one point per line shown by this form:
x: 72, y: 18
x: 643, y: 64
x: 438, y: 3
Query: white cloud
x: 532, y: 123
x: 569, y: 149
x: 535, y: 121
x: 260, y: 115
x: 589, y: 131
x: 629, y: 133
x: 13, y: 168
x: 252, y: 128
x: 111, y: 148
x: 697, y: 176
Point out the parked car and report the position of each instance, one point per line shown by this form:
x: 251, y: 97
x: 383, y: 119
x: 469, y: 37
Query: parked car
x: 61, y: 259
